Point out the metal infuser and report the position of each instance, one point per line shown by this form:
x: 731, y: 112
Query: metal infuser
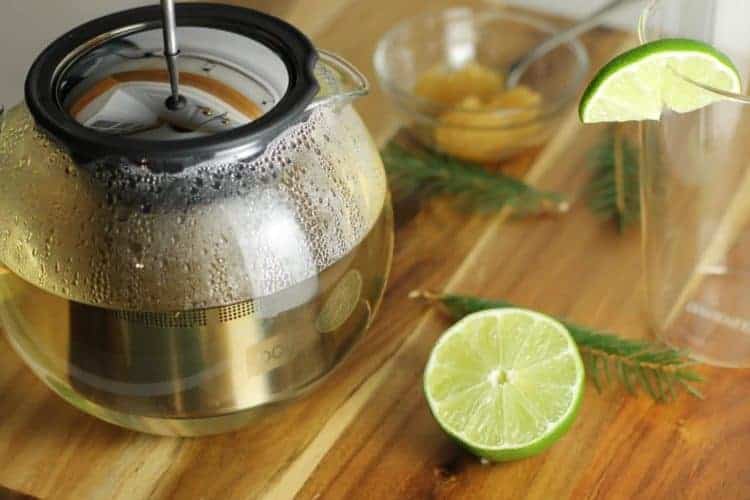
x: 193, y: 339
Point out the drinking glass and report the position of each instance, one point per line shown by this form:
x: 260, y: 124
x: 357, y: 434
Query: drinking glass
x: 695, y: 190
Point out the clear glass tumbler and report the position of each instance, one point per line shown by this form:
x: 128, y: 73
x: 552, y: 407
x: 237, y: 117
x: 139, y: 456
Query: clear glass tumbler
x: 696, y: 196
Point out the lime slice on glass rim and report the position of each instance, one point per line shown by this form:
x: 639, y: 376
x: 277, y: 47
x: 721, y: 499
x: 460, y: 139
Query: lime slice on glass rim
x: 505, y: 383
x: 675, y: 73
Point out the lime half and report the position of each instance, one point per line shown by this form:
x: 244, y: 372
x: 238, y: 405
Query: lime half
x: 638, y: 84
x: 505, y: 383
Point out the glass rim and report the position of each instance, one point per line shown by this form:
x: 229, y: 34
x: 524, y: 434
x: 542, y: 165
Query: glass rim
x: 644, y: 38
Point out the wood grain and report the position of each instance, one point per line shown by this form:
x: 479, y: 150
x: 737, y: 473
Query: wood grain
x: 366, y: 432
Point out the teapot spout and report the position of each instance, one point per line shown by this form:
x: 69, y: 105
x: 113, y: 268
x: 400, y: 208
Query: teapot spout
x: 340, y: 82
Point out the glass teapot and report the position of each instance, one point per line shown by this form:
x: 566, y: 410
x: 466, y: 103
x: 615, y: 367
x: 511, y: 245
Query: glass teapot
x: 176, y: 271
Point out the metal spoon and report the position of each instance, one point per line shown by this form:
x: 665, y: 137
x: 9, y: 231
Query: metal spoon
x: 519, y: 67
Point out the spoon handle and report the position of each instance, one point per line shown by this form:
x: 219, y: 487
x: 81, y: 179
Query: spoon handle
x: 519, y: 67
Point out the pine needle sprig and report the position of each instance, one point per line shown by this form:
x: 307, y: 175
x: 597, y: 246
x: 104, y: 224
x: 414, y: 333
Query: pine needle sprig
x: 613, y: 191
x: 426, y: 174
x: 657, y: 370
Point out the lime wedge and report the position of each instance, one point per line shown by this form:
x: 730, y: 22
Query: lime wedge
x: 505, y: 383
x: 638, y: 84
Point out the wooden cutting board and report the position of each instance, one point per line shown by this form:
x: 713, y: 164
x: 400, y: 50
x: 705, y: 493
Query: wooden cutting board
x: 366, y: 432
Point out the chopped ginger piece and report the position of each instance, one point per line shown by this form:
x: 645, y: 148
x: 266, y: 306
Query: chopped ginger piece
x: 517, y: 97
x: 488, y: 122
x: 450, y: 88
x: 471, y: 136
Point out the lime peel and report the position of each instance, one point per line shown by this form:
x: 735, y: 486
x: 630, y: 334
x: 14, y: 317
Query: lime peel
x: 640, y: 83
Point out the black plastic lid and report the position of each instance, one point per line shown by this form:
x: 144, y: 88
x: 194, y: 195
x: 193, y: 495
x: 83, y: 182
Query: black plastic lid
x: 87, y: 144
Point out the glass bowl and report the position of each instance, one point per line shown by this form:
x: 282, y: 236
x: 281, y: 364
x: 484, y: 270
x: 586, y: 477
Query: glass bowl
x: 458, y: 38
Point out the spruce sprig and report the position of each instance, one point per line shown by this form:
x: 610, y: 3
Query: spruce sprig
x: 426, y: 174
x: 613, y: 191
x: 655, y: 369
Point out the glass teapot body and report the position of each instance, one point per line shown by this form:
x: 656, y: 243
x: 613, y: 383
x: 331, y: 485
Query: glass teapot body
x: 124, y: 237
x: 184, y: 300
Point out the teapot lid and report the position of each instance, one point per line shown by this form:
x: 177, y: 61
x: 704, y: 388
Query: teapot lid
x: 100, y: 89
